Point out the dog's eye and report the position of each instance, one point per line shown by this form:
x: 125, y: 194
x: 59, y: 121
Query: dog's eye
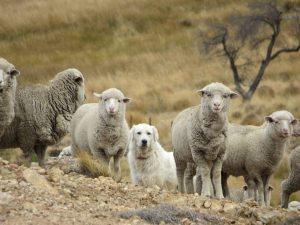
x: 148, y: 133
x: 139, y: 133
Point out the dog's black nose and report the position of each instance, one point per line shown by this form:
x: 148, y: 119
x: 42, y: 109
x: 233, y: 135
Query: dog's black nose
x: 144, y: 142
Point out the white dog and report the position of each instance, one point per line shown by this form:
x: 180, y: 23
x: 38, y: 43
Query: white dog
x: 149, y: 163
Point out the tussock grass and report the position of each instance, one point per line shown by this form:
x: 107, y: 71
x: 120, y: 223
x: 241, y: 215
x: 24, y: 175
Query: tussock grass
x: 91, y: 166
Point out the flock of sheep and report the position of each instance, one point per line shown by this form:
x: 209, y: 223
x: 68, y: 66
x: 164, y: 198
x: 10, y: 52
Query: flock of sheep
x: 207, y: 148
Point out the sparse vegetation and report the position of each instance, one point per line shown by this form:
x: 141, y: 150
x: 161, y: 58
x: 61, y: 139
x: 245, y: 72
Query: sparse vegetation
x: 140, y: 47
x: 91, y: 166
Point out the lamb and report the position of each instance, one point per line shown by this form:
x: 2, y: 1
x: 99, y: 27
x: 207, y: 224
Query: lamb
x: 8, y: 84
x: 199, y: 135
x: 254, y: 152
x: 149, y: 163
x: 43, y: 114
x: 102, y: 130
x: 292, y: 183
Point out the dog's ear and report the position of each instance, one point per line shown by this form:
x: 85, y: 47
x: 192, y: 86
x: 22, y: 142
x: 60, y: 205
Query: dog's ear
x: 155, y: 133
x: 130, y: 139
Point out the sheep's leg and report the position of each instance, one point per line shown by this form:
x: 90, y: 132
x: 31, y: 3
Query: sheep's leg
x: 216, y: 177
x: 40, y: 151
x: 288, y: 186
x: 111, y: 167
x: 260, y: 189
x: 189, y: 173
x: 27, y: 157
x: 180, y: 168
x: 224, y: 178
x: 251, y: 189
x: 198, y: 182
x: 117, y: 169
x: 205, y: 169
x: 266, y: 180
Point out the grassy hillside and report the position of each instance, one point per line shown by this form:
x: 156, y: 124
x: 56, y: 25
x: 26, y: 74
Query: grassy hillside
x: 145, y: 48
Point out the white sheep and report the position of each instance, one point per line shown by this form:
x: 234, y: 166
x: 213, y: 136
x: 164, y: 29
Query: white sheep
x: 149, y: 163
x: 8, y: 84
x: 101, y: 129
x: 292, y: 183
x: 254, y: 152
x: 43, y: 114
x: 199, y: 135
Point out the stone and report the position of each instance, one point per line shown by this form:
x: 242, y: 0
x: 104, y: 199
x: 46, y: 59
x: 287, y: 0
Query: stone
x: 231, y: 208
x: 216, y: 206
x: 207, y: 204
x: 38, y: 181
x: 7, y: 174
x: 5, y: 198
x: 55, y: 174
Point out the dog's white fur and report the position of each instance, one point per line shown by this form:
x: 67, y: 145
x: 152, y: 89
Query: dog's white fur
x: 150, y: 164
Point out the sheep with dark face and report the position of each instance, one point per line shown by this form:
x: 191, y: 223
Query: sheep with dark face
x: 199, y: 135
x: 101, y: 129
x: 254, y: 152
x: 8, y: 84
x: 43, y: 114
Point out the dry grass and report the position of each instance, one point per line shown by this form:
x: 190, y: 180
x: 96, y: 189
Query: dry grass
x: 91, y: 166
x: 145, y: 48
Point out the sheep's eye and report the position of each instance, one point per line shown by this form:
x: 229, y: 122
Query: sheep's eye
x: 208, y: 94
x: 119, y: 100
x: 225, y: 96
x: 139, y: 133
x: 105, y: 100
x: 148, y: 133
x: 276, y: 121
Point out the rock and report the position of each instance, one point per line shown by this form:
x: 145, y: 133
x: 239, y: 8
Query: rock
x: 216, y: 206
x: 267, y: 217
x: 294, y: 205
x: 38, y: 181
x: 5, y: 198
x: 55, y: 174
x: 7, y: 174
x: 231, y: 208
x: 34, y: 165
x: 30, y: 207
x: 207, y: 204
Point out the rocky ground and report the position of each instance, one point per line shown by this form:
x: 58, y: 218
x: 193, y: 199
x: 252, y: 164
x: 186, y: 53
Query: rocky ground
x: 59, y: 194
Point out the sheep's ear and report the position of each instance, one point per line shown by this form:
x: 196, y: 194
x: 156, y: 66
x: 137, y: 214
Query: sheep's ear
x: 78, y: 79
x: 155, y: 133
x: 14, y: 72
x: 126, y: 100
x: 245, y: 187
x: 296, y: 128
x: 201, y: 91
x: 269, y: 119
x: 130, y: 139
x: 97, y: 95
x: 233, y: 94
x: 271, y: 188
x: 131, y: 134
x: 294, y: 122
